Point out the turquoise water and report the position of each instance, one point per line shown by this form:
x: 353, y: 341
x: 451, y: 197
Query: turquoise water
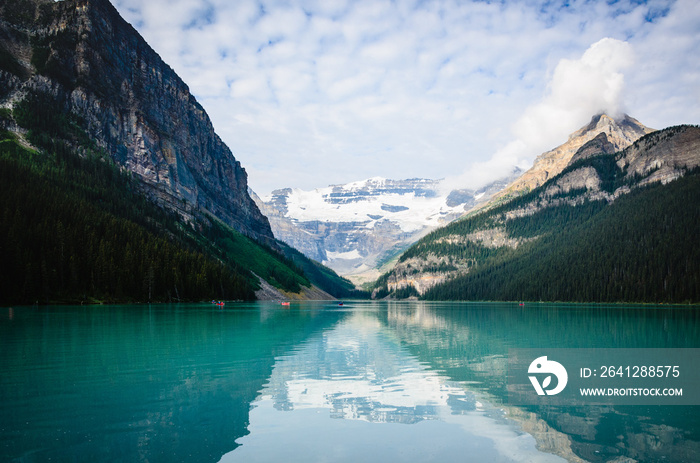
x: 318, y: 382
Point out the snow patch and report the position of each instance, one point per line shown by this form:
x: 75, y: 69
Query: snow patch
x: 349, y: 255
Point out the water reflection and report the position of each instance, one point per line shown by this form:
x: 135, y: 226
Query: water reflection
x: 369, y: 382
x: 153, y: 384
x: 422, y: 382
x: 354, y: 389
x: 360, y: 373
x: 470, y: 342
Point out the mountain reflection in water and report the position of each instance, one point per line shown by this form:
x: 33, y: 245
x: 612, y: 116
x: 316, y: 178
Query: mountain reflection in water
x: 368, y: 381
x: 423, y: 382
x: 470, y: 342
x: 353, y: 389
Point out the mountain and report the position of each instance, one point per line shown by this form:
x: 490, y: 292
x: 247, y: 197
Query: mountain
x: 357, y: 227
x: 81, y: 57
x: 115, y: 186
x: 361, y: 227
x: 618, y: 226
x: 602, y: 134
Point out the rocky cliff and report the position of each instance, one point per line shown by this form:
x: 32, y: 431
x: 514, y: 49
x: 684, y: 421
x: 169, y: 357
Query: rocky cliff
x: 602, y: 134
x: 82, y: 55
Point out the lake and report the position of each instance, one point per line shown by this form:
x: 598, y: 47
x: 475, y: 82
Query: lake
x: 318, y: 382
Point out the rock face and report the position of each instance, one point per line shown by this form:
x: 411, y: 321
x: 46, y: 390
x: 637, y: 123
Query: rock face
x: 598, y: 145
x: 132, y: 104
x: 618, y: 134
x: 663, y: 156
x: 356, y: 227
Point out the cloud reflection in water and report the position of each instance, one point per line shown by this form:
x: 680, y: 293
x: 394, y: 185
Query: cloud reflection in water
x: 353, y: 393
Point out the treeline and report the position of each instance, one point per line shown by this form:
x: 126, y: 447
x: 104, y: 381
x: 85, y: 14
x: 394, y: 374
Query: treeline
x: 641, y: 248
x: 96, y: 178
x: 260, y: 259
x: 72, y: 230
x: 76, y: 228
x: 49, y: 125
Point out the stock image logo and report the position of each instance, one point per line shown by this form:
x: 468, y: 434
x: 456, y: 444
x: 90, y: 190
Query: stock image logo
x: 541, y: 367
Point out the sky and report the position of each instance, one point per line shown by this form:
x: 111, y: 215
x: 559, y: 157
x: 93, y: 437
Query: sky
x: 309, y: 93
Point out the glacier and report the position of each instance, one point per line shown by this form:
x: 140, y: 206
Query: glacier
x: 357, y: 227
x: 411, y: 204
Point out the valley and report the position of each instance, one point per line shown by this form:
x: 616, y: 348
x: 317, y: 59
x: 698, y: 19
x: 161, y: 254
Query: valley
x: 93, y: 118
x: 428, y: 242
x: 359, y: 227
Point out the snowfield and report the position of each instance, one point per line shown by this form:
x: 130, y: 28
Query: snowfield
x: 358, y: 227
x: 411, y: 206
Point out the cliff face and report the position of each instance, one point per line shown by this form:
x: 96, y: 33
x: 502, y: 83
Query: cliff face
x: 664, y: 156
x: 602, y: 135
x: 129, y: 102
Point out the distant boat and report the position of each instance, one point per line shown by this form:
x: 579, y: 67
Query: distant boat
x: 340, y: 303
x: 219, y: 303
x: 285, y: 303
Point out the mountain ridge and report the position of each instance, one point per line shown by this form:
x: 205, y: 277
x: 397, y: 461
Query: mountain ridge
x: 116, y: 188
x: 450, y: 261
x: 353, y: 241
x: 619, y: 134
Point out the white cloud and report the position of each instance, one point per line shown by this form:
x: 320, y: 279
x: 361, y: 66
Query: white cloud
x: 578, y: 89
x: 308, y: 93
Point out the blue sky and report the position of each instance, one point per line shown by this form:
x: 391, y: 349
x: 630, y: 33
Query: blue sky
x: 318, y: 92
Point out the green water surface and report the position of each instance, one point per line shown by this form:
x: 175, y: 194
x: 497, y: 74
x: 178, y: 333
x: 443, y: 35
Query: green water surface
x: 316, y: 381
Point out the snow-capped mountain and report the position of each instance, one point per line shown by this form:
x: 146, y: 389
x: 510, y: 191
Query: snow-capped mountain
x: 357, y: 227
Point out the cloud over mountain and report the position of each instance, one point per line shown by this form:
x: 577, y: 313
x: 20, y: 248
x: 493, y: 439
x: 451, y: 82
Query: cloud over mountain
x: 579, y: 88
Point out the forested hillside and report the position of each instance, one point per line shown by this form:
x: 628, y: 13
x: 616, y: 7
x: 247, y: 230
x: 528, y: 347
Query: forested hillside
x: 609, y: 228
x: 322, y: 276
x: 642, y: 248
x: 75, y: 227
x: 73, y: 231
